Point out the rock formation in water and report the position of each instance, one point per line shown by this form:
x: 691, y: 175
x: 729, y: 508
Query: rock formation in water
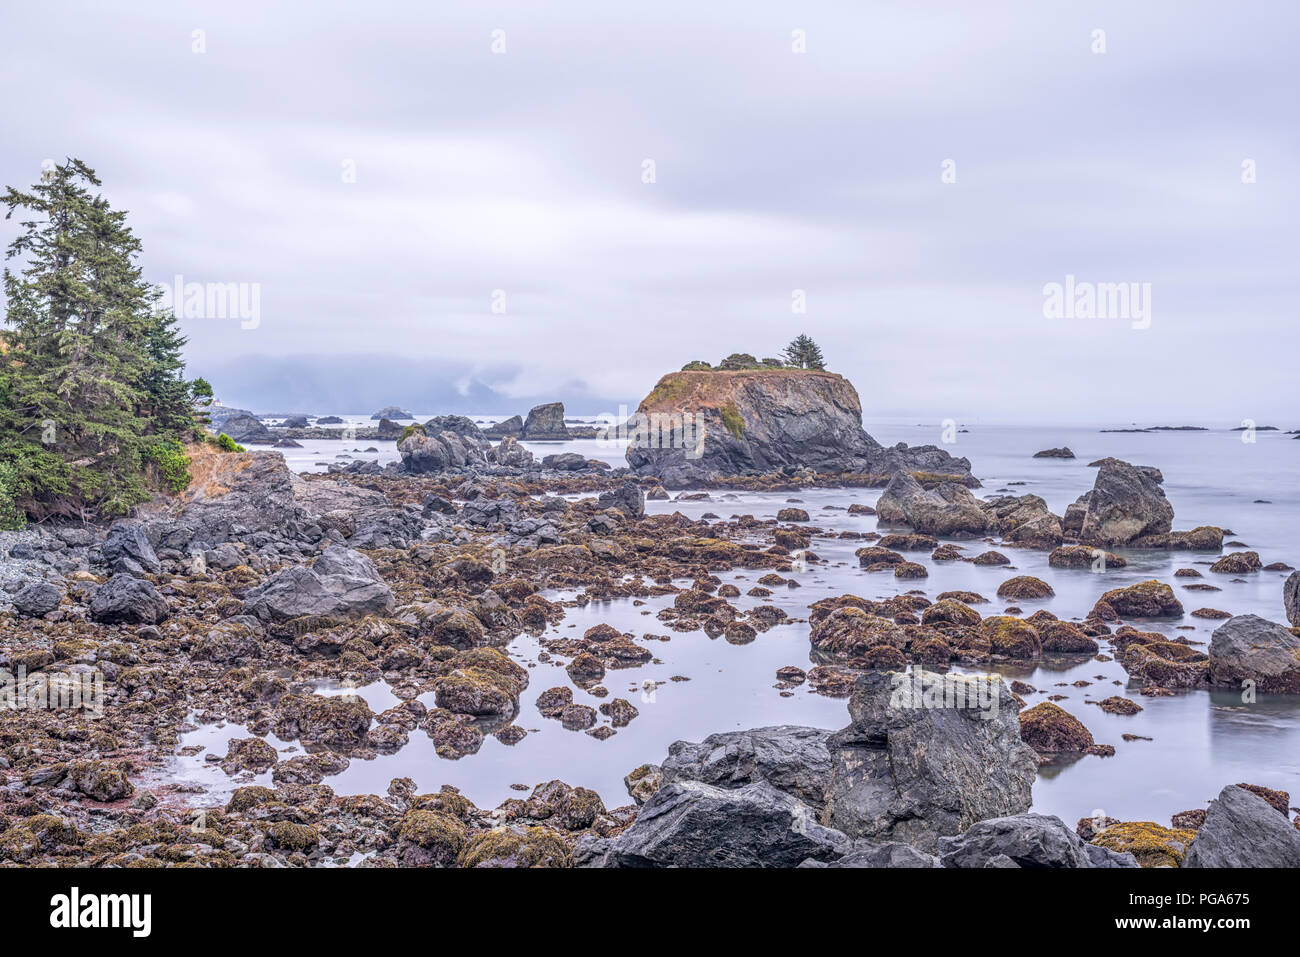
x: 546, y: 423
x: 702, y: 426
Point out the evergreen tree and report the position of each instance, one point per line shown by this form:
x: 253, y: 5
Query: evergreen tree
x: 803, y: 353
x: 91, y: 388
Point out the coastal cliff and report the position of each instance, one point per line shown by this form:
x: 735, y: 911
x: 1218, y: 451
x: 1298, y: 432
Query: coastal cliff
x: 702, y: 426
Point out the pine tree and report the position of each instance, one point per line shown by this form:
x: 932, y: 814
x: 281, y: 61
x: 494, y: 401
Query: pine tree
x: 92, y: 384
x: 803, y: 353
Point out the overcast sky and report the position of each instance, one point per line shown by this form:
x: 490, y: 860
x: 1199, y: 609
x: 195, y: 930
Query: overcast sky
x: 517, y: 178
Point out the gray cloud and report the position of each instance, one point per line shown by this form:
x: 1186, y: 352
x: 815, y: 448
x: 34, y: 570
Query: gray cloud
x: 775, y: 171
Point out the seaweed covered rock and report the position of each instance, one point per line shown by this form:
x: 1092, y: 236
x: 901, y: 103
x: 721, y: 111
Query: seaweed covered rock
x: 1050, y: 729
x: 1150, y: 843
x: 850, y: 633
x: 1148, y: 599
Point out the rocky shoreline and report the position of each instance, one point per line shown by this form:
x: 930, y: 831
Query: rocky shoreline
x: 241, y: 599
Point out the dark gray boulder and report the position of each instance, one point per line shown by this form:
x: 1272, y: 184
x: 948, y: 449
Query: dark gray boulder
x: 1250, y: 648
x: 887, y: 854
x: 126, y: 600
x: 546, y: 422
x: 565, y: 462
x: 1243, y: 830
x: 1026, y: 840
x: 627, y: 498
x: 790, y: 758
x: 37, y: 599
x: 904, y: 771
x: 692, y: 824
x: 950, y: 509
x: 342, y: 583
x: 248, y: 430
x: 513, y: 427
x: 1126, y: 502
x: 127, y: 549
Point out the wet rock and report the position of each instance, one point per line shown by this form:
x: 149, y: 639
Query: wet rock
x: 1082, y: 556
x: 627, y: 498
x: 565, y: 462
x: 1148, y: 599
x: 1061, y: 453
x: 1027, y: 840
x: 850, y: 632
x: 790, y: 758
x: 885, y: 854
x: 1243, y: 830
x: 127, y: 549
x: 1250, y: 648
x: 620, y: 712
x: 948, y: 510
x: 126, y: 600
x: 37, y: 599
x: 915, y: 773
x: 577, y: 717
x: 546, y: 423
x: 1125, y: 503
x: 692, y: 824
x: 1025, y: 588
x: 1050, y: 729
x: 1117, y: 705
x: 990, y: 558
x: 1237, y: 563
x: 343, y: 583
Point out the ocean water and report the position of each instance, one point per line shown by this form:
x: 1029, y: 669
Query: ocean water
x: 1201, y: 740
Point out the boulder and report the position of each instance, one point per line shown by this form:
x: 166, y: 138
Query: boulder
x: 565, y: 462
x: 904, y: 771
x: 790, y: 758
x: 1027, y: 840
x: 248, y: 430
x: 545, y: 422
x: 512, y: 427
x: 342, y: 583
x: 126, y: 600
x: 1243, y: 830
x: 1125, y: 503
x: 887, y: 854
x: 627, y: 498
x: 37, y: 598
x: 1148, y: 599
x: 692, y: 824
x: 127, y: 549
x: 948, y: 510
x: 1250, y: 648
x: 1061, y: 453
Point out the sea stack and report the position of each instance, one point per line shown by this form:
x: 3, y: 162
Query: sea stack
x: 702, y: 426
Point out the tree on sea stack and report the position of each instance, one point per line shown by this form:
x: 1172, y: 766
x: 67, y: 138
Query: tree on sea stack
x: 93, y: 401
x: 803, y: 353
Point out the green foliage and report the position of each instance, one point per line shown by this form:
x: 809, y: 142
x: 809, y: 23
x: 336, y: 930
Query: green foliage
x: 738, y: 361
x: 168, y: 456
x: 11, y: 514
x: 226, y: 443
x: 803, y: 353
x: 697, y: 365
x: 92, y: 370
x: 411, y: 430
x: 772, y: 363
x: 730, y: 416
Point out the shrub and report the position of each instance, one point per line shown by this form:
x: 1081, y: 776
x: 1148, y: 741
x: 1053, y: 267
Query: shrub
x: 168, y: 457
